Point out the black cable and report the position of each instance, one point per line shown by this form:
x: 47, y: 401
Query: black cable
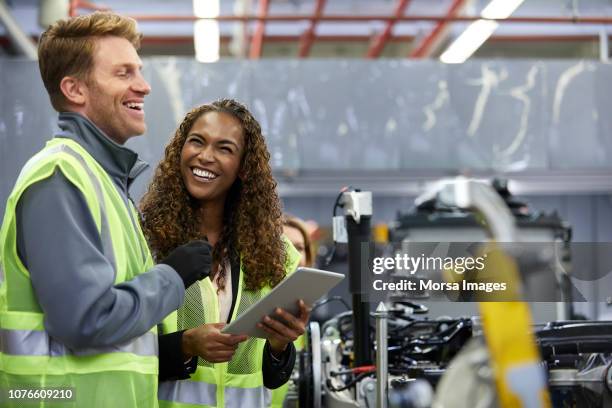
x: 331, y: 299
x: 330, y: 256
x: 337, y: 204
x: 357, y: 378
x: 349, y: 384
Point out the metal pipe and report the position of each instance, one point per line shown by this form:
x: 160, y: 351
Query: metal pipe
x: 429, y: 43
x: 257, y: 40
x: 19, y: 38
x: 73, y: 7
x: 362, y: 18
x: 379, y: 43
x: 187, y: 39
x: 309, y: 35
x: 382, y: 358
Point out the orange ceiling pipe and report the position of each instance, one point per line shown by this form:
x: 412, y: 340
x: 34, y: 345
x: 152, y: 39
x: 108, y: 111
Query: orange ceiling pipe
x: 155, y: 40
x: 428, y: 44
x: 309, y: 35
x: 72, y: 8
x: 361, y: 18
x: 74, y: 5
x: 258, y: 36
x: 379, y: 42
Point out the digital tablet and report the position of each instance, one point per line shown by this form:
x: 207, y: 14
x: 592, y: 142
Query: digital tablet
x: 305, y: 283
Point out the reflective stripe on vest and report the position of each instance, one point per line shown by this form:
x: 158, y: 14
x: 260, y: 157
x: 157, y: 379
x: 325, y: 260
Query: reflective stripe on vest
x: 38, y: 343
x: 189, y: 392
x: 201, y: 393
x: 247, y: 397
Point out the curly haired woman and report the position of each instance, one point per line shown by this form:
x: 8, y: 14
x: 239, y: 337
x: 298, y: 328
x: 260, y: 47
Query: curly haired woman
x: 215, y: 183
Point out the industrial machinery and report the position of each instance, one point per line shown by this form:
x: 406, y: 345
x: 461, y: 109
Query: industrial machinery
x: 399, y: 356
x: 539, y: 242
x: 417, y: 349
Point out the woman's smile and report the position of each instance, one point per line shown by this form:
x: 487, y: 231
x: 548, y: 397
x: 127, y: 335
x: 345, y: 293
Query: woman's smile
x: 203, y: 175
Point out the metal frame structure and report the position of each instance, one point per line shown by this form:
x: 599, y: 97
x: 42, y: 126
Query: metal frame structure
x: 309, y: 35
x: 376, y: 17
x: 433, y: 40
x: 379, y: 43
x: 75, y: 5
x: 258, y: 37
x: 423, y: 46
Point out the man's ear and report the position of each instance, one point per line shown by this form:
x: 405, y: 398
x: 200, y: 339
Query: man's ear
x: 74, y: 90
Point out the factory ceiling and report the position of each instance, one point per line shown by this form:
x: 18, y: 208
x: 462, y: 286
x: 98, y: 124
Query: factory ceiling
x: 351, y: 28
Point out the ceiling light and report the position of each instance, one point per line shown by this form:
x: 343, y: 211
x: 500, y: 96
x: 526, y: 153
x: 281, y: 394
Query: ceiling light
x: 479, y: 31
x: 206, y: 40
x: 206, y: 34
x: 468, y: 42
x: 206, y: 8
x: 500, y: 8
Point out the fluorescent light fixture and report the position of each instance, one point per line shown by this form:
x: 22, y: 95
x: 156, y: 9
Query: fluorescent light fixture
x: 206, y: 8
x: 468, y: 42
x: 500, y: 8
x: 206, y: 35
x: 479, y: 31
x: 206, y: 38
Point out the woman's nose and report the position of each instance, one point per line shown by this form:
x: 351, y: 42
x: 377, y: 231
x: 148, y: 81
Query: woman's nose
x: 207, y: 154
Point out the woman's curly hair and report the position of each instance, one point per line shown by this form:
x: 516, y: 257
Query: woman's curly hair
x: 252, y: 224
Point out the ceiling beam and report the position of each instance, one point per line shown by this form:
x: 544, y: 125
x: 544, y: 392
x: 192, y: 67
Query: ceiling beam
x: 19, y: 38
x: 375, y: 17
x: 432, y: 41
x: 379, y: 42
x: 309, y: 35
x: 75, y: 5
x: 258, y: 36
x: 188, y: 40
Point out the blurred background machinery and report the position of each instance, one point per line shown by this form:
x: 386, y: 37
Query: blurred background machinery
x: 437, y: 361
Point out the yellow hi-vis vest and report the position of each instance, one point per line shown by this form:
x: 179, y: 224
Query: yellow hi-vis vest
x: 237, y: 383
x: 124, y: 375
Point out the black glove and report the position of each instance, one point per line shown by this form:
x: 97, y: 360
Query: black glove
x: 191, y: 261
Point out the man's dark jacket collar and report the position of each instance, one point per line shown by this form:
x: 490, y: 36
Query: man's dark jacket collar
x: 121, y: 163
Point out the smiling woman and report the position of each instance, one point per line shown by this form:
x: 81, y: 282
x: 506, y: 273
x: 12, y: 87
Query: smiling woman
x: 211, y: 157
x: 238, y: 209
x: 215, y: 183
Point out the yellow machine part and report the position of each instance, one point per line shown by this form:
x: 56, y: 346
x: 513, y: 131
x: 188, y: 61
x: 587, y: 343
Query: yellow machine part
x: 507, y: 325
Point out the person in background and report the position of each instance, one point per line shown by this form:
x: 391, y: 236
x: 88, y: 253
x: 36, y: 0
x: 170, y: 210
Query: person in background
x: 215, y: 183
x: 295, y: 229
x: 80, y: 296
